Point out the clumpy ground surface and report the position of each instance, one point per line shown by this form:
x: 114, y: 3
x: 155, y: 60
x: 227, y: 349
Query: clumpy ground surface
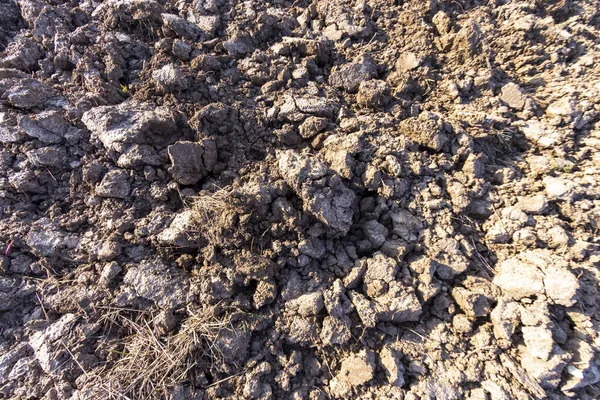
x: 342, y: 199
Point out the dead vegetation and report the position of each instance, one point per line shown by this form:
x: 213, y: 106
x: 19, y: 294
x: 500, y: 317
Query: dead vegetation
x: 150, y: 366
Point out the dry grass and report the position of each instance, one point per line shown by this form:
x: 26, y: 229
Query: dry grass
x: 212, y: 212
x: 150, y: 366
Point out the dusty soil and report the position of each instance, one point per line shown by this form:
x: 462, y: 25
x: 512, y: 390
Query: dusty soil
x: 379, y: 199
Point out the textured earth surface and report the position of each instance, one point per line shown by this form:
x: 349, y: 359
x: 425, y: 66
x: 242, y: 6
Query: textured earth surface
x: 326, y: 199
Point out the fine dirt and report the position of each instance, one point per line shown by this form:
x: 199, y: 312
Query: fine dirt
x: 366, y: 199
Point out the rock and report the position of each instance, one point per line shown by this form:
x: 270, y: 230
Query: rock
x: 408, y: 61
x: 547, y: 373
x: 131, y: 122
x: 505, y: 319
x: 208, y: 24
x: 349, y: 76
x: 48, y: 345
x: 381, y: 270
x: 332, y: 203
x: 561, y: 285
x: 375, y: 233
x: 365, y: 309
x: 519, y: 278
x: 174, y: 25
x: 428, y: 129
x: 584, y: 368
x: 48, y: 126
x: 442, y: 22
x: 114, y: 184
x: 312, y: 247
x: 557, y: 238
x: 139, y: 155
x: 312, y: 126
x: 108, y: 250
x: 170, y: 78
x: 538, y: 340
x: 109, y: 272
x: 373, y: 93
x: 558, y: 189
x: 335, y: 330
x: 357, y: 369
x: 190, y: 161
x: 534, y: 204
x: 564, y: 107
x: 398, y: 305
x: 28, y: 94
x: 22, y: 53
x: 303, y: 331
x: 392, y: 365
x: 473, y: 304
x: 513, y: 96
x: 238, y: 46
x: 152, y: 280
x: 52, y: 156
x: 47, y: 242
x: 10, y: 358
x: 179, y: 232
x: 307, y: 304
x: 298, y: 108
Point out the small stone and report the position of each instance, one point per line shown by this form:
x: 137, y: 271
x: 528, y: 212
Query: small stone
x: 513, y: 96
x: 519, y: 279
x: 114, y: 184
x: 358, y: 369
x: 335, y: 330
x: 364, y: 308
x: 462, y: 324
x: 408, y: 61
x: 538, y: 340
x: 534, y: 204
x: 375, y: 233
x: 109, y: 272
x: 312, y: 126
x: 381, y: 270
x: 373, y: 93
x: 170, y: 78
x: 51, y: 156
x: 473, y: 304
x: 505, y: 319
x: 303, y: 331
x: 392, y: 365
x: 558, y: 189
x: 191, y: 161
x: 349, y: 76
x: 109, y: 250
x: 547, y: 373
x: 561, y: 285
x: 307, y: 304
